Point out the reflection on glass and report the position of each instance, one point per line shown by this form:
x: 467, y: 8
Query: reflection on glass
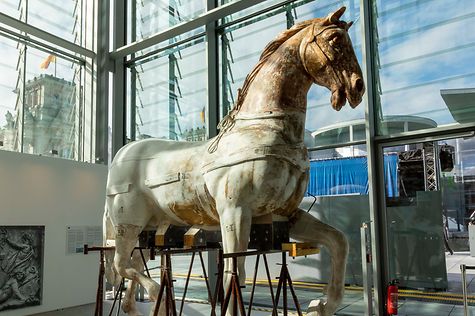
x: 148, y: 17
x: 426, y: 62
x: 51, y: 107
x: 12, y: 8
x: 242, y: 43
x: 11, y: 87
x: 428, y: 220
x: 338, y: 196
x: 63, y: 19
x: 169, y: 94
x: 241, y: 46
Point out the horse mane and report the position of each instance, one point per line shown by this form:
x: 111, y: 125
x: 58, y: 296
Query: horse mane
x: 265, y: 55
x: 228, y: 121
x: 281, y: 38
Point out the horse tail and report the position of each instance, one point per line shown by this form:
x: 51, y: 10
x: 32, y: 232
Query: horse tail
x: 108, y: 236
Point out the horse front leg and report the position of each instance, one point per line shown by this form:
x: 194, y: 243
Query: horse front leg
x: 309, y: 229
x: 235, y: 229
x: 129, y: 306
x: 125, y: 241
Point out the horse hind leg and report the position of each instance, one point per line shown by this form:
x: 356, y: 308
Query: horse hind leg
x: 309, y: 229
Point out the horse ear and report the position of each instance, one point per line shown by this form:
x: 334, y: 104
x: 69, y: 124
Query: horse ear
x: 334, y: 17
x: 348, y: 25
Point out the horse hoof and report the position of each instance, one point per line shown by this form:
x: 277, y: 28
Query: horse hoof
x: 131, y: 310
x: 153, y: 292
x: 317, y: 308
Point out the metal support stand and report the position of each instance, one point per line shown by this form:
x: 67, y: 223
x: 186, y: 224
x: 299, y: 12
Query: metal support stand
x: 269, y: 282
x: 100, y: 286
x: 100, y: 281
x: 118, y: 295
x: 187, y: 281
x: 463, y: 269
x: 234, y: 290
x: 218, y: 291
x: 366, y: 259
x: 167, y: 287
x: 284, y: 280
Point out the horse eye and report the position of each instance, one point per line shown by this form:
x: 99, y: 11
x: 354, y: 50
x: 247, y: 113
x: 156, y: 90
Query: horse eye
x: 335, y: 40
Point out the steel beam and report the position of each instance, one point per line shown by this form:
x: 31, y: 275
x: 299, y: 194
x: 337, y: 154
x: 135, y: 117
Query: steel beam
x: 48, y: 37
x: 374, y: 156
x: 206, y: 18
x: 212, y: 56
x: 118, y: 83
x: 102, y: 66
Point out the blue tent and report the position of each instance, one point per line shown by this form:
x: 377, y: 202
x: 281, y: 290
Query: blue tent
x: 349, y: 176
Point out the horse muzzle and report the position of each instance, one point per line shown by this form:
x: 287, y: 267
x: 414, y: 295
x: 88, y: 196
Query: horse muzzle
x: 338, y: 99
x: 356, y: 91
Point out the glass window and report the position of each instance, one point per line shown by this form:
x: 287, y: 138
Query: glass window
x: 63, y: 19
x: 52, y: 108
x: 11, y: 96
x: 168, y: 95
x: 337, y: 195
x: 426, y: 62
x: 66, y: 19
x: 13, y: 8
x: 430, y: 216
x: 241, y: 45
x: 148, y: 17
x: 253, y: 9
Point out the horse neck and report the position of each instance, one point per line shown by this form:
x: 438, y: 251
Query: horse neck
x: 281, y: 86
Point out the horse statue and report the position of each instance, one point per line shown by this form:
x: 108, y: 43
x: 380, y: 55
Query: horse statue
x: 257, y: 165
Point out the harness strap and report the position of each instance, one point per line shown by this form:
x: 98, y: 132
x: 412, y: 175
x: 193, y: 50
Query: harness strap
x: 294, y: 155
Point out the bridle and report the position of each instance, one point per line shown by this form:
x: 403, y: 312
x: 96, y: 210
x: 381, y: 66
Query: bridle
x: 228, y: 122
x: 328, y: 59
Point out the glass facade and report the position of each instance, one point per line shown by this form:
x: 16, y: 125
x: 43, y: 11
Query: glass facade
x: 168, y: 94
x: 409, y: 170
x: 241, y: 44
x: 48, y: 103
x: 52, y: 104
x: 429, y: 218
x: 422, y: 87
x: 66, y: 20
x: 10, y: 91
x: 425, y: 61
x: 150, y: 17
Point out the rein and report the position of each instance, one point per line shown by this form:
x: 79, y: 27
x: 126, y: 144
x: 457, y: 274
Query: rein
x: 228, y: 122
x: 335, y: 75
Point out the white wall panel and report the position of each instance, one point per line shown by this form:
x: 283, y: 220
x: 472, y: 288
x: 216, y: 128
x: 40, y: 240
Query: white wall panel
x: 56, y: 193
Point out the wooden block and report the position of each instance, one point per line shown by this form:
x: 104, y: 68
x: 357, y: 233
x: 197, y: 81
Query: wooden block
x: 160, y: 240
x: 194, y: 237
x: 297, y: 249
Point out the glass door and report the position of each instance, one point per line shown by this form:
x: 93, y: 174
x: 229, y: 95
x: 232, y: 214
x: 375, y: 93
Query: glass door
x: 429, y: 204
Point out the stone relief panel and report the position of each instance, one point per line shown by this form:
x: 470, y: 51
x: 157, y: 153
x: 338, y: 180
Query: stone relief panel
x: 21, y: 266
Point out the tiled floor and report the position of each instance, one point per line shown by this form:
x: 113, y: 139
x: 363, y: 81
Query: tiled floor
x: 352, y: 303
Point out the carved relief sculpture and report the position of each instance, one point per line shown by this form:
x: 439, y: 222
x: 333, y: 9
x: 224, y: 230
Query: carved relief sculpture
x: 21, y: 261
x: 257, y: 165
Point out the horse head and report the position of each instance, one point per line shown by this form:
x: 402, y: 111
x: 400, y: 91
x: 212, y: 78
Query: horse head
x: 328, y: 57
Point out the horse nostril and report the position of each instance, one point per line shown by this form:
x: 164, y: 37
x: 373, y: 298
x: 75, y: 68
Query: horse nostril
x: 359, y: 85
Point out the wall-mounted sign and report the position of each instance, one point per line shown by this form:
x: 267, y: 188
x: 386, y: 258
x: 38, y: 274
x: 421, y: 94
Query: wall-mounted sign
x: 77, y: 236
